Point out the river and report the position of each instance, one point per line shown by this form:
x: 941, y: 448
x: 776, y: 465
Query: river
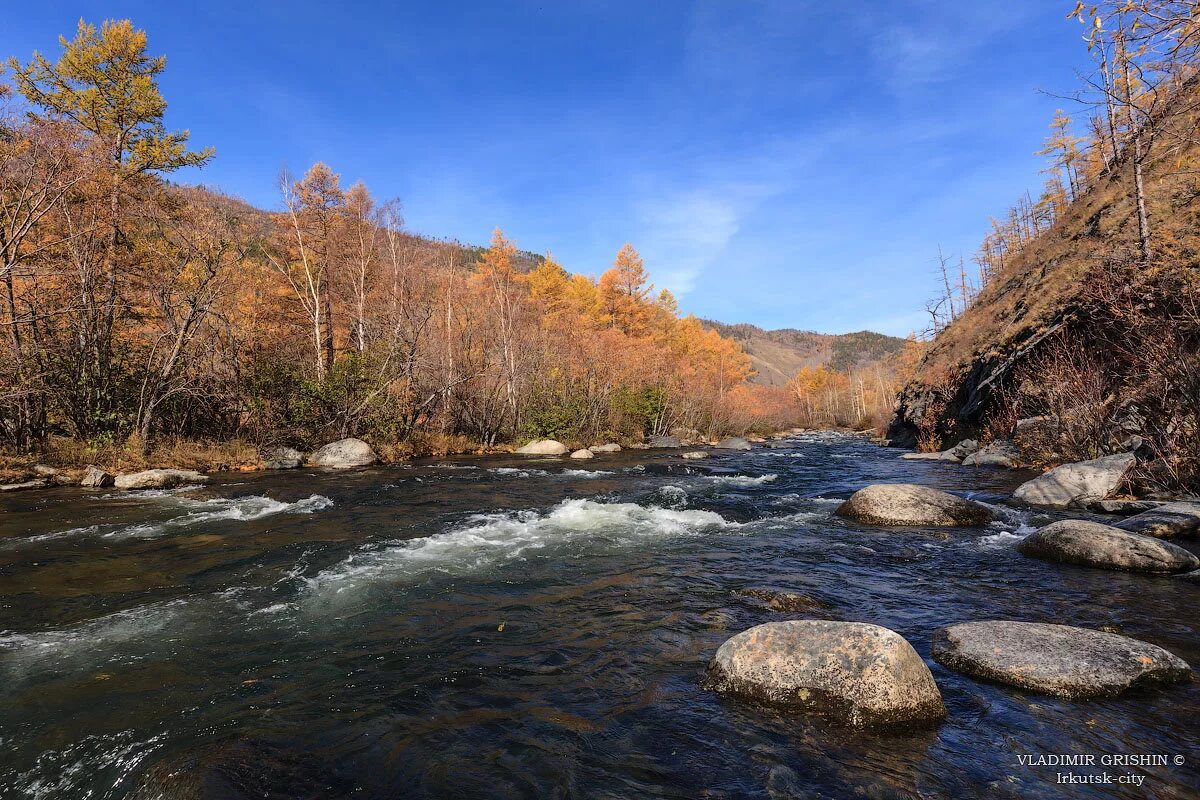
x: 517, y: 627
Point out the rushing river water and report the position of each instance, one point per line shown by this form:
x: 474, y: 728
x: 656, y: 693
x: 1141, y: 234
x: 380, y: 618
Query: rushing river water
x: 504, y: 627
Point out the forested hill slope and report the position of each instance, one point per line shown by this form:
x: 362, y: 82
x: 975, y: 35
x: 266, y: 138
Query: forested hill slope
x: 777, y: 355
x: 1086, y: 313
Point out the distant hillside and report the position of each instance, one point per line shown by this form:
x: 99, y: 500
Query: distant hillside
x: 778, y: 354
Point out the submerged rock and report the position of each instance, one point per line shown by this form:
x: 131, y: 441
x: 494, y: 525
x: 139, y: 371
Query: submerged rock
x: 1093, y: 544
x: 782, y: 601
x: 282, y: 458
x: 1165, y: 521
x: 36, y: 483
x: 860, y: 673
x: 611, y: 447
x: 345, y: 453
x: 1076, y: 483
x: 910, y: 504
x: 1055, y: 659
x: 733, y: 443
x: 93, y: 476
x: 584, y: 453
x: 159, y: 479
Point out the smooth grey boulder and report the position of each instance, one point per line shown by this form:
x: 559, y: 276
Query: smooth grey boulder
x: 544, y: 447
x: 584, y: 453
x: 963, y: 449
x: 282, y: 458
x: 93, y: 476
x: 1000, y: 454
x: 664, y: 441
x: 922, y: 457
x: 345, y: 453
x: 1126, y: 507
x: 695, y: 454
x: 910, y: 504
x: 1076, y: 483
x: 1165, y: 521
x: 1059, y: 660
x: 159, y: 479
x: 1091, y: 544
x: 36, y: 483
x: 611, y: 447
x: 733, y: 443
x: 862, y: 674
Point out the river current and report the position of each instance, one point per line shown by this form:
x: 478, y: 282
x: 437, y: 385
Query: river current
x: 518, y: 627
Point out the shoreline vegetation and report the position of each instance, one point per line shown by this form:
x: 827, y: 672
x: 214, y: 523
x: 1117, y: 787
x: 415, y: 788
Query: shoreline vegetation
x: 144, y: 322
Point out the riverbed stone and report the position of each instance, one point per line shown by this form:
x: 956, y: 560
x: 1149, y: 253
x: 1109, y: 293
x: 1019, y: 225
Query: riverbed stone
x: 911, y: 504
x: 1165, y: 521
x: 611, y: 447
x: 1001, y: 454
x: 282, y: 458
x: 780, y: 600
x: 1093, y: 544
x: 95, y: 477
x: 35, y: 483
x: 922, y: 457
x: 664, y: 442
x: 159, y: 479
x: 860, y: 673
x: 1077, y: 483
x: 345, y: 453
x: 695, y: 454
x: 584, y: 453
x: 733, y: 443
x: 1059, y: 660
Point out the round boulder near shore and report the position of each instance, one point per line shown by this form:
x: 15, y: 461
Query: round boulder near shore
x: 1093, y: 544
x: 584, y: 453
x: 345, y: 453
x: 858, y: 673
x: 1059, y: 660
x: 544, y: 447
x: 910, y: 504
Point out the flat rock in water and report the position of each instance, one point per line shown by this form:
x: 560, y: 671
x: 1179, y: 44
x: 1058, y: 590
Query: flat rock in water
x: 922, y: 456
x: 910, y: 504
x: 36, y: 483
x: 1075, y: 483
x: 159, y: 479
x: 695, y: 454
x: 611, y: 447
x: 1092, y: 544
x: 733, y: 443
x: 345, y: 453
x: 860, y: 673
x: 1165, y: 521
x: 1055, y: 659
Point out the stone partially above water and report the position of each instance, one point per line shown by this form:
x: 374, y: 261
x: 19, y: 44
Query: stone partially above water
x: 1092, y: 544
x: 693, y: 455
x: 95, y: 477
x: 860, y: 673
x: 159, y: 479
x: 910, y: 504
x: 1165, y: 521
x: 544, y: 447
x: 1072, y: 484
x: 1059, y: 660
x: 345, y: 453
x: 282, y: 458
x: 611, y: 447
x: 733, y: 443
x: 1002, y: 454
x: 584, y: 453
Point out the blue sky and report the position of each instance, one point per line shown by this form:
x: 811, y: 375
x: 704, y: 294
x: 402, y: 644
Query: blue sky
x: 789, y: 164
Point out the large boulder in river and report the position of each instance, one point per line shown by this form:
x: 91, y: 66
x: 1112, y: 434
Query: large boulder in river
x: 544, y: 447
x: 1055, y: 659
x: 1077, y: 483
x: 159, y: 479
x: 1091, y: 544
x: 910, y: 504
x: 95, y: 477
x: 345, y: 453
x: 1166, y: 521
x: 664, y: 441
x: 733, y: 443
x: 584, y: 453
x: 282, y: 458
x: 861, y: 673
